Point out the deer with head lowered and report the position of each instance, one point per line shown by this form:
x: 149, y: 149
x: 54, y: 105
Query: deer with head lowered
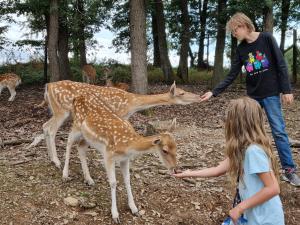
x: 96, y: 125
x: 60, y: 95
x: 89, y: 74
x: 109, y: 83
x: 11, y: 81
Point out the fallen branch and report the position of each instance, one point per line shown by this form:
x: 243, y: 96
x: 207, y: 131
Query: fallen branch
x: 14, y: 142
x: 19, y: 162
x: 294, y: 143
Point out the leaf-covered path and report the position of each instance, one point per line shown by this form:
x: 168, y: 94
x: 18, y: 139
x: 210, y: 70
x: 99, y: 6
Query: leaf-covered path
x: 32, y: 190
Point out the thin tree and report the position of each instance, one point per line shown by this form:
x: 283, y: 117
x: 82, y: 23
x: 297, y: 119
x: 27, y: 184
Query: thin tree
x: 80, y: 15
x: 285, y: 8
x: 220, y: 45
x: 53, y: 41
x: 182, y: 71
x: 156, y: 55
x: 138, y: 46
x: 203, y: 16
x: 268, y: 16
x: 162, y: 42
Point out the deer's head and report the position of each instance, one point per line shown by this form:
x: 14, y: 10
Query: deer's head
x: 182, y: 97
x: 167, y: 150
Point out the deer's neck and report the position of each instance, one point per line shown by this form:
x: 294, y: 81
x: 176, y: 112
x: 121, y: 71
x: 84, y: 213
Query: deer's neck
x: 146, y: 101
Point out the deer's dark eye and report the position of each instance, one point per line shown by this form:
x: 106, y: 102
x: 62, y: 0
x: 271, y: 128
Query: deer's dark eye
x: 181, y: 94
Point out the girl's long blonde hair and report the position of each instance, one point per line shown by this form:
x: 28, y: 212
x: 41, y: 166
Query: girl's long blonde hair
x: 245, y: 126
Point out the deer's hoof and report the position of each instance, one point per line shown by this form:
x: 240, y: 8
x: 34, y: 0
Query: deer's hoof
x: 90, y: 182
x: 117, y: 220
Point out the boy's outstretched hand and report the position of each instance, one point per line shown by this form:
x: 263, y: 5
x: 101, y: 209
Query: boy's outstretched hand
x: 287, y: 98
x: 206, y: 96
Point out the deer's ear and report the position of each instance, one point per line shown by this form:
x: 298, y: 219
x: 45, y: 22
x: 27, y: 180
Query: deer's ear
x: 156, y: 141
x: 173, y: 89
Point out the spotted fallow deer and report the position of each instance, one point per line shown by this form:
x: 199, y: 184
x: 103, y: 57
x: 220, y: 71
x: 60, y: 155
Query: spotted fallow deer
x: 89, y: 74
x: 60, y: 95
x: 96, y: 125
x: 11, y: 81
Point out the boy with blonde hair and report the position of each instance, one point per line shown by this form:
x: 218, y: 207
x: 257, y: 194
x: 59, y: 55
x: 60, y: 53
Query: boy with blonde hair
x: 267, y: 78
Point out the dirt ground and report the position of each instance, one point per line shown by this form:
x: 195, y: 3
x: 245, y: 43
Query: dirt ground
x: 32, y: 190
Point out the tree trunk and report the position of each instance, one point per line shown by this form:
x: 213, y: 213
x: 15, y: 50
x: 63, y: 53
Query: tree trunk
x: 220, y: 45
x: 162, y: 42
x: 268, y: 17
x: 138, y: 46
x: 192, y: 61
x: 285, y: 8
x: 63, y: 50
x: 46, y: 49
x: 81, y: 26
x: 182, y: 71
x: 203, y: 16
x: 53, y: 41
x: 156, y: 57
x: 233, y: 48
x: 233, y: 53
x: 295, y: 56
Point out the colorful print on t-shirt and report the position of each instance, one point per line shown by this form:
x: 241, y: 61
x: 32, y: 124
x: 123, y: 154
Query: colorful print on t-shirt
x: 256, y: 63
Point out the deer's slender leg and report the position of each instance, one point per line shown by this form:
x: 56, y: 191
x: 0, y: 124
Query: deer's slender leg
x: 111, y: 173
x: 82, y: 149
x: 126, y: 175
x: 12, y: 93
x: 73, y: 136
x: 50, y: 129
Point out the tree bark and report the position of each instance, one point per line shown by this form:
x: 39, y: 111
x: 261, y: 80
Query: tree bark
x: 46, y: 15
x: 63, y: 50
x: 162, y: 42
x: 220, y: 45
x: 295, y: 56
x: 233, y: 48
x: 285, y: 8
x: 81, y: 31
x: 192, y: 60
x: 156, y: 56
x: 53, y: 41
x: 203, y: 16
x: 268, y: 17
x: 182, y: 71
x: 138, y: 46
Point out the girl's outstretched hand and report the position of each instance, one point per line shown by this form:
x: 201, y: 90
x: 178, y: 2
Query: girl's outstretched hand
x: 182, y: 174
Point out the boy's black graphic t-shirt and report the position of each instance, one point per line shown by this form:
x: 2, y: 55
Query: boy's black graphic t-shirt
x: 266, y: 70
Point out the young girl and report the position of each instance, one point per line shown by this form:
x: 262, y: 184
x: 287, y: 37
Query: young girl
x: 251, y: 161
x: 266, y: 78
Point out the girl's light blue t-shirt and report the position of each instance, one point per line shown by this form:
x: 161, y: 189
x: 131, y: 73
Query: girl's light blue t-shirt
x: 270, y: 212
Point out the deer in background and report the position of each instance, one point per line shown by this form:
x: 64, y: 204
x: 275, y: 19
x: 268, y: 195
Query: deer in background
x: 60, y: 95
x: 11, y: 81
x: 89, y: 74
x: 96, y: 125
x: 109, y: 83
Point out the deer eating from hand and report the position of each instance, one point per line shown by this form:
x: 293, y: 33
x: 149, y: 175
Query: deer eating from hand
x: 96, y: 125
